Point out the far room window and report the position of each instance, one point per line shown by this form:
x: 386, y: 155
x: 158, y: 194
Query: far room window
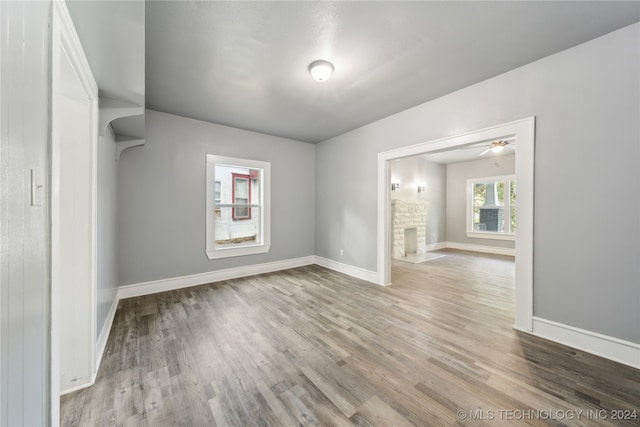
x: 491, y: 207
x: 217, y: 198
x: 237, y: 207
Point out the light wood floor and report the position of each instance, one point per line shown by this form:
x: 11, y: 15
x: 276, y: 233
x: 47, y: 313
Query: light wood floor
x: 309, y: 346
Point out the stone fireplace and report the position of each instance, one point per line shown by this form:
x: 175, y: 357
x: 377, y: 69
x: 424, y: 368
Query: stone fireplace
x: 491, y: 214
x: 409, y: 220
x: 491, y: 218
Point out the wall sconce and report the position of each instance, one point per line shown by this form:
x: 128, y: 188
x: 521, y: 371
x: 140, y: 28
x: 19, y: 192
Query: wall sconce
x: 395, y: 186
x: 421, y: 188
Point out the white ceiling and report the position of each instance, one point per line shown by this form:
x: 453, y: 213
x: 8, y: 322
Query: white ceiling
x: 476, y: 151
x: 244, y: 64
x: 112, y: 37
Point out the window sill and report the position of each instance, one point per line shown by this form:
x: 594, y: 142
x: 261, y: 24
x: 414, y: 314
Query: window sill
x: 490, y: 235
x: 234, y: 252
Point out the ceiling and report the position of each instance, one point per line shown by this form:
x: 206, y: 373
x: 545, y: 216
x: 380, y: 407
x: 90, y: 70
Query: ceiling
x: 244, y: 64
x: 112, y: 37
x: 475, y: 151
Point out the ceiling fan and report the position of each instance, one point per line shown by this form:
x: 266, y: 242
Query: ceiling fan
x: 496, y: 146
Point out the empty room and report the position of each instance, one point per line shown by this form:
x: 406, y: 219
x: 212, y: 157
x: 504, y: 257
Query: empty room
x: 329, y: 213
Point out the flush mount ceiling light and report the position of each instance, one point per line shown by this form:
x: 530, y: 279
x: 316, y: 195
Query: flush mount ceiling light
x: 321, y: 70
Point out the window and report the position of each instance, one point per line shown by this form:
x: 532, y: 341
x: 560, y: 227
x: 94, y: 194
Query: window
x: 217, y: 192
x: 491, y: 207
x: 241, y: 196
x: 217, y: 198
x: 237, y: 207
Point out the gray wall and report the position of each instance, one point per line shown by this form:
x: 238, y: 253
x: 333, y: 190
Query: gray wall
x: 457, y: 175
x: 24, y: 229
x: 413, y: 170
x: 161, y: 197
x: 107, y: 248
x: 586, y: 104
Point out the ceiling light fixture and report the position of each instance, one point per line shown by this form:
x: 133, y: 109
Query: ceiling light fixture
x: 321, y: 70
x: 497, y: 146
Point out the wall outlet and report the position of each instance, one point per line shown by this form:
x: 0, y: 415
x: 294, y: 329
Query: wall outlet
x: 341, y: 252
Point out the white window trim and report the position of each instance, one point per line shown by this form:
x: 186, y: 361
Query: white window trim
x: 507, y: 210
x: 491, y: 235
x: 215, y: 184
x: 265, y: 206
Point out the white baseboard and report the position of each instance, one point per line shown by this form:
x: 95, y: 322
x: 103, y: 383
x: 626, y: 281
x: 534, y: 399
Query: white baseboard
x: 372, y: 276
x: 481, y: 248
x: 104, y: 334
x: 360, y: 273
x: 78, y: 387
x: 435, y: 246
x: 155, y: 286
x: 615, y: 349
x: 101, y: 344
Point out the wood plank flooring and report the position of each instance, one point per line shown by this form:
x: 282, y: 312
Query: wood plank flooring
x: 312, y: 347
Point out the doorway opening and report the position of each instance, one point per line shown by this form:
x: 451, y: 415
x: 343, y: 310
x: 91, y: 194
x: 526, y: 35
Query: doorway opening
x: 521, y: 131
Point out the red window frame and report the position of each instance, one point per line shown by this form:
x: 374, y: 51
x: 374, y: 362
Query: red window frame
x: 234, y: 176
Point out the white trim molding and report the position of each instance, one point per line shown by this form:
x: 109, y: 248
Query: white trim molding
x: 523, y: 131
x: 76, y: 388
x: 67, y: 49
x: 162, y: 285
x: 435, y: 246
x: 490, y: 235
x: 481, y: 248
x: 349, y: 270
x: 112, y: 109
x: 101, y: 345
x: 611, y: 348
x: 126, y: 142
